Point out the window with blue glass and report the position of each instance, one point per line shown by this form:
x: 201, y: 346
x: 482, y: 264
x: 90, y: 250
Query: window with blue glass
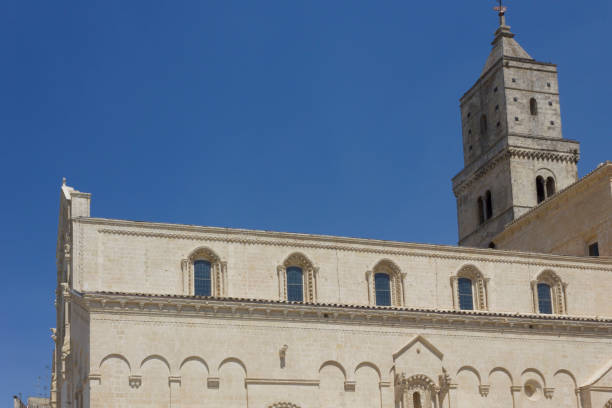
x: 295, y: 284
x: 201, y: 278
x: 544, y: 298
x: 382, y: 285
x: 466, y: 298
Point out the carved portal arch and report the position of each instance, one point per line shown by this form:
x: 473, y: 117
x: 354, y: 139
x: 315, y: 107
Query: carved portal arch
x: 416, y: 391
x: 309, y: 270
x: 479, y: 287
x: 218, y: 271
x: 557, y: 291
x: 396, y: 278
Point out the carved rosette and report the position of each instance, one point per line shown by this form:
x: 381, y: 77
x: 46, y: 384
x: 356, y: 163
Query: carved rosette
x: 218, y: 271
x: 310, y: 276
x: 396, y: 278
x: 557, y: 288
x: 479, y: 287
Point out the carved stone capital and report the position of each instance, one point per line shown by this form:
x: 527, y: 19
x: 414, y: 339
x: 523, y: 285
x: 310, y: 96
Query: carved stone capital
x: 349, y: 386
x: 484, y: 390
x: 135, y: 381
x: 548, y: 392
x: 212, y: 382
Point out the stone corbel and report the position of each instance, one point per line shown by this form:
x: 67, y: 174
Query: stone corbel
x: 484, y: 390
x: 135, y: 381
x: 94, y: 379
x: 212, y: 382
x: 548, y: 392
x: 174, y: 380
x: 349, y: 386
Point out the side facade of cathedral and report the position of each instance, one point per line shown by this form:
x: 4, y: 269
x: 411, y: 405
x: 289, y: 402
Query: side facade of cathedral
x: 519, y: 315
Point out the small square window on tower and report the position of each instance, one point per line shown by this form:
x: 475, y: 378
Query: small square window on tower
x: 594, y: 249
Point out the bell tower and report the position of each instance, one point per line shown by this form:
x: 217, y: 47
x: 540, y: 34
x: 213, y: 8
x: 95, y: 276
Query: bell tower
x: 513, y: 149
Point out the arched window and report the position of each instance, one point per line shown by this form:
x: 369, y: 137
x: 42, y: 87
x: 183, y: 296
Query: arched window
x: 540, y: 188
x: 544, y: 298
x: 416, y: 400
x: 480, y: 209
x: 295, y: 284
x: 385, y: 284
x: 533, y: 106
x: 297, y: 279
x: 202, y: 281
x: 382, y: 285
x: 469, y: 288
x: 483, y: 125
x: 549, y: 293
x: 550, y: 187
x: 204, y: 274
x: 489, y: 203
x: 466, y: 300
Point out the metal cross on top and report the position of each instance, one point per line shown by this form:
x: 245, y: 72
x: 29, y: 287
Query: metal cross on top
x: 501, y: 9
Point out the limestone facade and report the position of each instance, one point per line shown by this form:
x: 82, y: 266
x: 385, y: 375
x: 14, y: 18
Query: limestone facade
x: 134, y: 335
x: 571, y: 222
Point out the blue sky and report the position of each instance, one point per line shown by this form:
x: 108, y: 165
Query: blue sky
x: 330, y: 117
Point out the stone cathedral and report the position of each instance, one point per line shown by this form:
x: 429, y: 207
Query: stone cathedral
x: 519, y: 315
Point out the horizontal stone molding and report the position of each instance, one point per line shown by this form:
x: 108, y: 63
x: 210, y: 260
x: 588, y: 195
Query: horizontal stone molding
x: 161, y: 305
x: 281, y: 381
x: 359, y: 245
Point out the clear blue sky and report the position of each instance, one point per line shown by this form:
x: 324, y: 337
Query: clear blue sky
x: 329, y: 117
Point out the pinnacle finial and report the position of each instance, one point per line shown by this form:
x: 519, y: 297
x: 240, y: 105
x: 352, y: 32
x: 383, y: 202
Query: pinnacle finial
x: 63, y: 181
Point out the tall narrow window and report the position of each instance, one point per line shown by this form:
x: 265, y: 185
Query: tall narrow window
x: 483, y: 125
x: 295, y: 284
x: 201, y: 278
x: 416, y: 400
x: 540, y: 189
x: 489, y: 204
x: 550, y: 187
x: 466, y: 299
x: 594, y: 249
x: 480, y: 209
x: 544, y: 298
x: 533, y: 106
x: 382, y: 286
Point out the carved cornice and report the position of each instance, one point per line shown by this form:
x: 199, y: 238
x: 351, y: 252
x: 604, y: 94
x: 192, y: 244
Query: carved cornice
x: 358, y: 245
x: 512, y: 152
x: 243, y: 309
